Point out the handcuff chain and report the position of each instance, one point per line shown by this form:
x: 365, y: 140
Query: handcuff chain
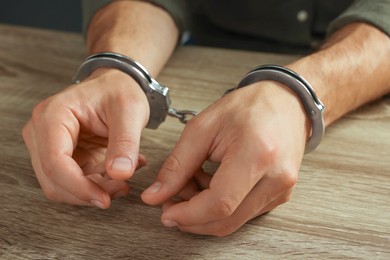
x: 184, y: 116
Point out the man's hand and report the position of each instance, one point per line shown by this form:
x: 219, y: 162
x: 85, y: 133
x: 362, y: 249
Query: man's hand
x: 67, y: 135
x: 84, y: 141
x: 258, y: 135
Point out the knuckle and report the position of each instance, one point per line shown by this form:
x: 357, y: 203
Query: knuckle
x: 195, y: 123
x: 49, y: 105
x: 49, y: 166
x: 224, y: 207
x: 127, y: 138
x: 172, y: 164
x: 38, y: 110
x: 122, y: 100
x: 201, y: 123
x: 50, y: 193
x: 288, y: 179
x: 267, y: 152
x: 122, y: 144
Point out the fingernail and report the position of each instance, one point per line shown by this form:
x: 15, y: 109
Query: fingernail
x: 169, y: 223
x: 155, y: 187
x: 119, y: 194
x: 122, y: 164
x: 98, y: 204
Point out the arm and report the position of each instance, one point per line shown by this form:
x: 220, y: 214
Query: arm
x: 260, y: 148
x: 89, y: 130
x: 351, y: 69
x: 134, y: 29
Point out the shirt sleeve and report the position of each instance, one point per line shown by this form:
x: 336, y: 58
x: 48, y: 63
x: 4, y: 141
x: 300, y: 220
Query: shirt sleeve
x: 177, y: 9
x: 375, y: 12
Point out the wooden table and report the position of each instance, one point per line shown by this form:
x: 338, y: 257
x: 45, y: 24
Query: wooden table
x: 340, y: 208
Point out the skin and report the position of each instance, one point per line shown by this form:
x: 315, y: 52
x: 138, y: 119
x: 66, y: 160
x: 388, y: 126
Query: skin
x: 253, y: 145
x: 83, y: 119
x: 73, y: 144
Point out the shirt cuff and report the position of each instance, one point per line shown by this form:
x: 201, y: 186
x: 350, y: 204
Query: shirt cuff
x: 374, y: 12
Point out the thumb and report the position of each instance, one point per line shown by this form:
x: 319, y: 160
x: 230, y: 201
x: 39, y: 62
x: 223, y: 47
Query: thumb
x: 125, y: 126
x: 184, y: 161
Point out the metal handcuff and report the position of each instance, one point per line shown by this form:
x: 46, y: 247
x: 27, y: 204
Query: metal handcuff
x: 157, y: 94
x: 313, y: 106
x: 159, y: 101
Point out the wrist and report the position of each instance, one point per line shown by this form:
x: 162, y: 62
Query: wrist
x: 286, y: 102
x: 156, y: 94
x: 292, y: 103
x: 112, y: 75
x: 123, y: 26
x: 112, y: 78
x: 311, y: 104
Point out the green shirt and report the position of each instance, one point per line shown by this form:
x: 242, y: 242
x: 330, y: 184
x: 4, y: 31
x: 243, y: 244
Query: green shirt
x: 268, y: 25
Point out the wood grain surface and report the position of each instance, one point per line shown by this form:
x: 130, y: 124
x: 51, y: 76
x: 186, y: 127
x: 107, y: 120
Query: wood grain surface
x: 340, y: 208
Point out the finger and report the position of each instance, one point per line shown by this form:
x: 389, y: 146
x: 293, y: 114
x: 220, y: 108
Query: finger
x: 201, y: 181
x: 125, y: 123
x: 231, y: 183
x: 230, y: 225
x: 167, y: 204
x: 279, y: 201
x: 190, y: 190
x: 53, y: 191
x: 56, y: 135
x: 186, y: 158
x: 94, y: 167
x: 141, y: 161
x: 67, y: 174
x: 230, y: 186
x: 260, y: 200
x: 114, y: 188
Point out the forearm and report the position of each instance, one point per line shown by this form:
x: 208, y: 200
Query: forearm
x: 351, y: 69
x: 140, y: 30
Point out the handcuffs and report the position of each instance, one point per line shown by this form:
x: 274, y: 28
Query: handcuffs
x: 157, y: 94
x: 159, y: 100
x: 313, y: 106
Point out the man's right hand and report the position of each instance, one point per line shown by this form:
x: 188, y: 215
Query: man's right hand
x: 84, y: 141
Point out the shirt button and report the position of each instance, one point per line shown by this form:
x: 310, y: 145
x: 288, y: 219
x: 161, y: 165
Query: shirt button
x: 302, y: 16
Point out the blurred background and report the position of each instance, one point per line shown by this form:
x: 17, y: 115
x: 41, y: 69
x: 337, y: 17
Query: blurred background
x: 51, y: 14
x: 66, y: 15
